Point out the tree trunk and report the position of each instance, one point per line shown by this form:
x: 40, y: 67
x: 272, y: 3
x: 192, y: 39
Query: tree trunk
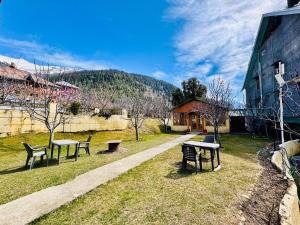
x: 166, y: 127
x: 137, y: 136
x: 51, y: 138
x: 216, y: 131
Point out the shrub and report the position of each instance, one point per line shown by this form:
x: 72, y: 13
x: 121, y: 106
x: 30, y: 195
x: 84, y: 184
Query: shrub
x: 105, y: 114
x: 75, y: 108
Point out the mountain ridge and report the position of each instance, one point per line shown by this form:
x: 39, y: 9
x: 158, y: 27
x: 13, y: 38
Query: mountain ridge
x: 124, y: 82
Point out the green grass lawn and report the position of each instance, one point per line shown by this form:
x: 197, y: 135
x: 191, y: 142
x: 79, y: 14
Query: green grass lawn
x: 158, y: 192
x: 16, y: 182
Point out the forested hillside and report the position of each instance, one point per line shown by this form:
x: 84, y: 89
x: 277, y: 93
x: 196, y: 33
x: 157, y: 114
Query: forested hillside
x: 123, y: 82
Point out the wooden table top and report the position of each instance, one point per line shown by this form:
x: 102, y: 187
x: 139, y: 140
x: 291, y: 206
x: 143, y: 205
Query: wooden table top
x: 202, y: 144
x: 64, y: 142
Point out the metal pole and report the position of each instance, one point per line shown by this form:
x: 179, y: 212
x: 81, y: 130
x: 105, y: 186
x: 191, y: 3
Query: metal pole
x: 281, y: 82
x: 281, y: 114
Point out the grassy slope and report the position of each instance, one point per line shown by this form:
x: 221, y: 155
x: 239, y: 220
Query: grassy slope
x: 16, y: 182
x: 158, y: 193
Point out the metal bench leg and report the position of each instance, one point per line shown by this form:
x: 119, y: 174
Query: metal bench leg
x: 27, y: 161
x: 88, y: 150
x: 212, y: 160
x: 32, y: 162
x: 76, y: 152
x: 200, y: 162
x: 218, y: 156
x: 184, y: 163
x: 47, y: 160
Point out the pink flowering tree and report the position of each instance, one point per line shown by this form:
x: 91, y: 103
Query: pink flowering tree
x: 46, y: 102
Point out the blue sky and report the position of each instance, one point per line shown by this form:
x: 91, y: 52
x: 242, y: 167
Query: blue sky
x: 168, y: 39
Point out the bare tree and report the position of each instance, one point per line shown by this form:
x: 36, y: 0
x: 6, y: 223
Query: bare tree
x: 163, y: 109
x: 8, y: 88
x: 252, y: 115
x: 291, y: 104
x: 219, y: 102
x: 37, y: 99
x: 138, y: 105
x: 99, y: 98
x: 270, y: 112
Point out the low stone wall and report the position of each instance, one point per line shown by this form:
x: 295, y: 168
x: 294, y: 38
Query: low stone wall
x: 289, y: 206
x: 225, y: 129
x: 14, y: 121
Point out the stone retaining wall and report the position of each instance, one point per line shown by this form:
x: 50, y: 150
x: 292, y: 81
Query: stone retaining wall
x: 289, y: 206
x: 14, y: 121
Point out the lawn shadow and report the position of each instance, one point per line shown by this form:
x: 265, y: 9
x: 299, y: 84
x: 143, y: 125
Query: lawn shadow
x: 103, y: 152
x: 37, y: 165
x: 13, y: 170
x: 178, y: 172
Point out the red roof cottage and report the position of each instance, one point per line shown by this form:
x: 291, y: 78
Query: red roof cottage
x: 189, y: 116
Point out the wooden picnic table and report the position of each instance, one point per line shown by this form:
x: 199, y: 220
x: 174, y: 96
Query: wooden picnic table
x: 60, y: 143
x: 212, y: 147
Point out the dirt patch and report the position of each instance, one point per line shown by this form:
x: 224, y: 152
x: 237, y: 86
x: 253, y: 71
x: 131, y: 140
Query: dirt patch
x: 262, y: 207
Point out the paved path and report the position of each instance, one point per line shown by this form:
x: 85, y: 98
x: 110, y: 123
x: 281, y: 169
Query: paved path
x: 35, y: 205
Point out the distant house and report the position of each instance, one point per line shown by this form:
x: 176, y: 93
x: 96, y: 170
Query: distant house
x: 189, y: 116
x: 65, y: 86
x: 277, y: 42
x: 17, y: 79
x: 14, y: 75
x: 10, y: 72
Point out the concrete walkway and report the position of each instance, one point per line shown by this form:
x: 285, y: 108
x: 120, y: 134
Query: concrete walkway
x: 35, y: 205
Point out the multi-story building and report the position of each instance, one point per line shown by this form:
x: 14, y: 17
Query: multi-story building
x: 277, y: 44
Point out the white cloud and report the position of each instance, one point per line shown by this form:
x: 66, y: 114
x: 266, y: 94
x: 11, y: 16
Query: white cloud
x: 44, y: 54
x: 159, y: 74
x: 218, y: 34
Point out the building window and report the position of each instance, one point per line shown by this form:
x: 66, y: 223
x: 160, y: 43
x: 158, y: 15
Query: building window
x: 182, y: 120
x: 179, y: 119
x: 278, y: 67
